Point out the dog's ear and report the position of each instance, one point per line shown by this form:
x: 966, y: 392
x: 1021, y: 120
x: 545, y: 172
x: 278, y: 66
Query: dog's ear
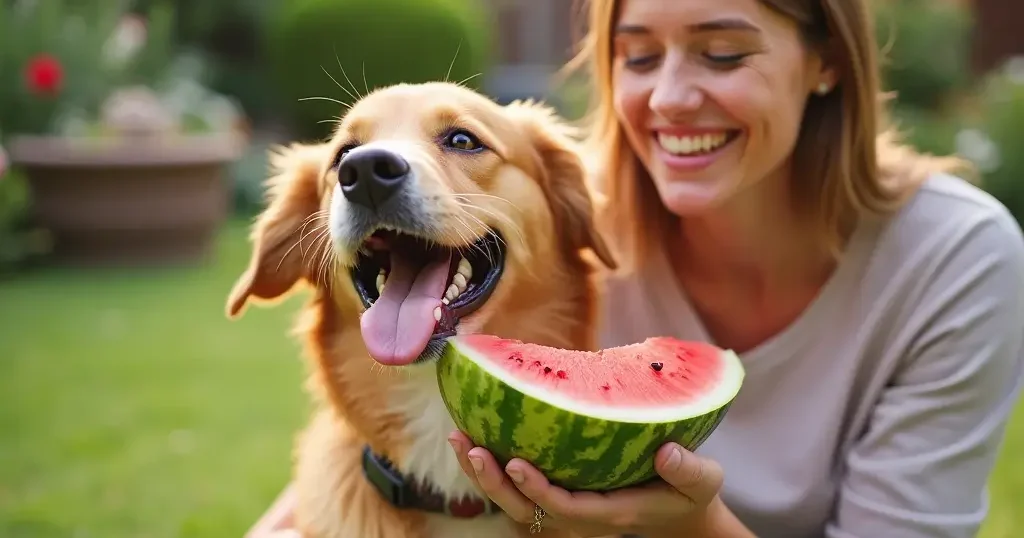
x: 283, y: 247
x: 565, y: 181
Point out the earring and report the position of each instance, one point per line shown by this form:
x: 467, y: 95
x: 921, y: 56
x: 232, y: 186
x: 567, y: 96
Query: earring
x: 823, y: 88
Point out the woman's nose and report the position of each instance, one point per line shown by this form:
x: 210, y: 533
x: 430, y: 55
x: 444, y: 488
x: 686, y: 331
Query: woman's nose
x: 677, y: 91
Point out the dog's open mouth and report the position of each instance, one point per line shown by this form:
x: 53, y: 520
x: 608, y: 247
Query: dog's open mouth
x: 416, y: 291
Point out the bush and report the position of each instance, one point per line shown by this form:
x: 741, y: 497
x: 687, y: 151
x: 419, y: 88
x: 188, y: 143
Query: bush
x: 925, y: 46
x: 995, y: 144
x: 366, y: 44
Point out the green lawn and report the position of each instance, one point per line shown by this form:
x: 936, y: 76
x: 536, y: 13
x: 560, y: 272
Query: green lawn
x: 130, y: 407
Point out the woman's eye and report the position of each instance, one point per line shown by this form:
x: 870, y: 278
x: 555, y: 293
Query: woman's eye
x: 640, y: 62
x: 726, y: 60
x: 463, y: 140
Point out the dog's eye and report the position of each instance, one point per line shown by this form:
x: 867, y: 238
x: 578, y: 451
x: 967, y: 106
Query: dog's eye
x: 343, y: 152
x: 463, y: 140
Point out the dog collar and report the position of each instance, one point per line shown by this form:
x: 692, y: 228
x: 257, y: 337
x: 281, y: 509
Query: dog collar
x: 402, y: 494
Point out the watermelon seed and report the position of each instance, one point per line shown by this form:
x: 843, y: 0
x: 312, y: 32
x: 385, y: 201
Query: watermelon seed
x: 606, y: 386
x: 657, y: 366
x: 536, y: 363
x: 547, y: 370
x: 561, y: 374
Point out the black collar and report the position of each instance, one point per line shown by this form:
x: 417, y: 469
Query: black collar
x: 405, y: 495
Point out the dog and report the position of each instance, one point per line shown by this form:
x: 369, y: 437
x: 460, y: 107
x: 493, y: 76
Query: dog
x: 431, y: 211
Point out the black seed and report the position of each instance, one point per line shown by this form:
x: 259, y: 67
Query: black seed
x: 547, y: 370
x: 656, y: 366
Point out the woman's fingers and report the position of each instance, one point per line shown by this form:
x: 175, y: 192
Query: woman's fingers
x: 499, y: 487
x: 484, y: 471
x: 624, y: 509
x: 461, y: 444
x: 699, y: 479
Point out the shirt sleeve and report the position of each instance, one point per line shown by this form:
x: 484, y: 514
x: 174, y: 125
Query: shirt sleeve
x: 920, y: 468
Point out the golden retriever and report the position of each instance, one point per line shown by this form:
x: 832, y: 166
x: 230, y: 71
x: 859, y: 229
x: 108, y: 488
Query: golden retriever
x: 431, y: 211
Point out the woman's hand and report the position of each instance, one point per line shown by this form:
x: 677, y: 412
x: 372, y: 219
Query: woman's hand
x: 685, y: 504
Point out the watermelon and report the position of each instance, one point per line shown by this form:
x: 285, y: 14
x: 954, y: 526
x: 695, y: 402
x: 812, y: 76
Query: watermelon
x: 587, y: 420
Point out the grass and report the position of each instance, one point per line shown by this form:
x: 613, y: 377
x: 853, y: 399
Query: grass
x: 130, y: 407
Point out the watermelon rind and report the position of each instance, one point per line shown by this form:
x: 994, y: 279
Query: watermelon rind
x: 577, y: 446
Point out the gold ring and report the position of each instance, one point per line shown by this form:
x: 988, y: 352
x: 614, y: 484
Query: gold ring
x: 538, y: 519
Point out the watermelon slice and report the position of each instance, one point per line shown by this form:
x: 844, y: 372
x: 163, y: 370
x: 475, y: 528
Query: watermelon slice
x: 587, y: 420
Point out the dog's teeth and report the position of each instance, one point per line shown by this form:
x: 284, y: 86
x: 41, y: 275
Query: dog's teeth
x: 460, y: 282
x: 437, y: 313
x: 381, y: 279
x: 445, y: 301
x: 465, y: 269
x: 452, y: 292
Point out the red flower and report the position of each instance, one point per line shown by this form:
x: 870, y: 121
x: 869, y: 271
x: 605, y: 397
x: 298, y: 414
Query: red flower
x: 44, y: 74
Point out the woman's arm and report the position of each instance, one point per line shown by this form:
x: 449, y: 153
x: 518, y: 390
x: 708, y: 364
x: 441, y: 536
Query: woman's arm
x: 276, y: 522
x: 921, y: 467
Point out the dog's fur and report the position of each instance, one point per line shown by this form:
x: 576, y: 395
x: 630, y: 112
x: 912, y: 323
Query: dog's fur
x: 529, y: 185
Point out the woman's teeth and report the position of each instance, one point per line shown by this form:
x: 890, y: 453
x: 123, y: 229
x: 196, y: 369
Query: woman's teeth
x: 692, y: 145
x: 459, y: 282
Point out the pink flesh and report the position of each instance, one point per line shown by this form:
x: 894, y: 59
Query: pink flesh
x: 622, y: 375
x: 397, y: 328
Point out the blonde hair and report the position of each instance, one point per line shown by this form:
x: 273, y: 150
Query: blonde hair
x: 848, y: 162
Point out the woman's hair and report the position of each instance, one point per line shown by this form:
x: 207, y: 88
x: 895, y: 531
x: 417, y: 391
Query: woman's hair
x: 847, y: 163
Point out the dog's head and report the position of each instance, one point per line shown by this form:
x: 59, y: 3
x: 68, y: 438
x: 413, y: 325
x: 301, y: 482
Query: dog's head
x: 436, y: 207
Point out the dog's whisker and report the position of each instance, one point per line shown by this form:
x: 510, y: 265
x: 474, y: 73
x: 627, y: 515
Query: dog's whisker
x: 462, y: 238
x: 485, y: 195
x: 474, y: 244
x: 344, y: 74
x: 366, y: 86
x: 320, y: 245
x: 467, y: 79
x: 511, y: 224
x: 321, y: 98
x: 504, y: 218
x: 302, y: 235
x: 343, y: 88
x: 451, y: 65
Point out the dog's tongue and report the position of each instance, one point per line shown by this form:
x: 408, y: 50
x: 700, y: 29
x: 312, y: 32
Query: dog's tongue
x: 397, y: 328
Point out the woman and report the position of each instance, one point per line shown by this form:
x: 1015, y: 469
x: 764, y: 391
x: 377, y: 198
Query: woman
x: 876, y: 301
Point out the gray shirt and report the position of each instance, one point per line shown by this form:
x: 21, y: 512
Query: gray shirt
x: 879, y: 412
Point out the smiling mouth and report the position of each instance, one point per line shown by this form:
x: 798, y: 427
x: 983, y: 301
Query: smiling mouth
x: 696, y: 145
x: 416, y: 291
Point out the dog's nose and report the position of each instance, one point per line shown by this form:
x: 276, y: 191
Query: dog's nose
x: 369, y: 177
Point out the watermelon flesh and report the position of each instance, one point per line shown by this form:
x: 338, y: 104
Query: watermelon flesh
x: 587, y: 420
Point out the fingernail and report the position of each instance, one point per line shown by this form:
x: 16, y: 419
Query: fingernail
x: 675, y: 458
x: 478, y: 464
x: 455, y: 445
x: 516, y: 475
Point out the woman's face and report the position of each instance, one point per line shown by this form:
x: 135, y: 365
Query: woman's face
x: 710, y: 94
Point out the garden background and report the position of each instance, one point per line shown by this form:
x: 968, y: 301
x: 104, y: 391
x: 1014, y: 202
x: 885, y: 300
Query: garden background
x: 136, y: 136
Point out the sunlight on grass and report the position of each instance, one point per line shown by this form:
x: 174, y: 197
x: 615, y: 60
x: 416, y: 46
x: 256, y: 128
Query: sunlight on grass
x: 131, y: 408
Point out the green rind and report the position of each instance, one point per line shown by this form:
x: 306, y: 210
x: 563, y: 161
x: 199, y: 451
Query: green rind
x: 614, y: 454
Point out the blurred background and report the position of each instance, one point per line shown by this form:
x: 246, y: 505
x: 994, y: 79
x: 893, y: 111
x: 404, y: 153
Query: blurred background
x: 134, y: 138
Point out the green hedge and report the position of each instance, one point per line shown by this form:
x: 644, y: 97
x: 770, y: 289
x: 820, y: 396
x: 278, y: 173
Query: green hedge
x: 996, y: 144
x: 377, y: 43
x: 925, y: 46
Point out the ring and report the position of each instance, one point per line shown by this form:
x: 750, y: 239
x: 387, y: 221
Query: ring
x: 538, y: 519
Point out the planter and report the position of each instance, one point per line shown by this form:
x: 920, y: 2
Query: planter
x: 131, y: 200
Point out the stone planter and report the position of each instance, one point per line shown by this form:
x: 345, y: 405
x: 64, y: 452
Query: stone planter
x: 131, y: 200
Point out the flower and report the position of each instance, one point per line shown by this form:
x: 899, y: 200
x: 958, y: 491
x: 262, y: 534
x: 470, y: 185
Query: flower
x: 44, y: 74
